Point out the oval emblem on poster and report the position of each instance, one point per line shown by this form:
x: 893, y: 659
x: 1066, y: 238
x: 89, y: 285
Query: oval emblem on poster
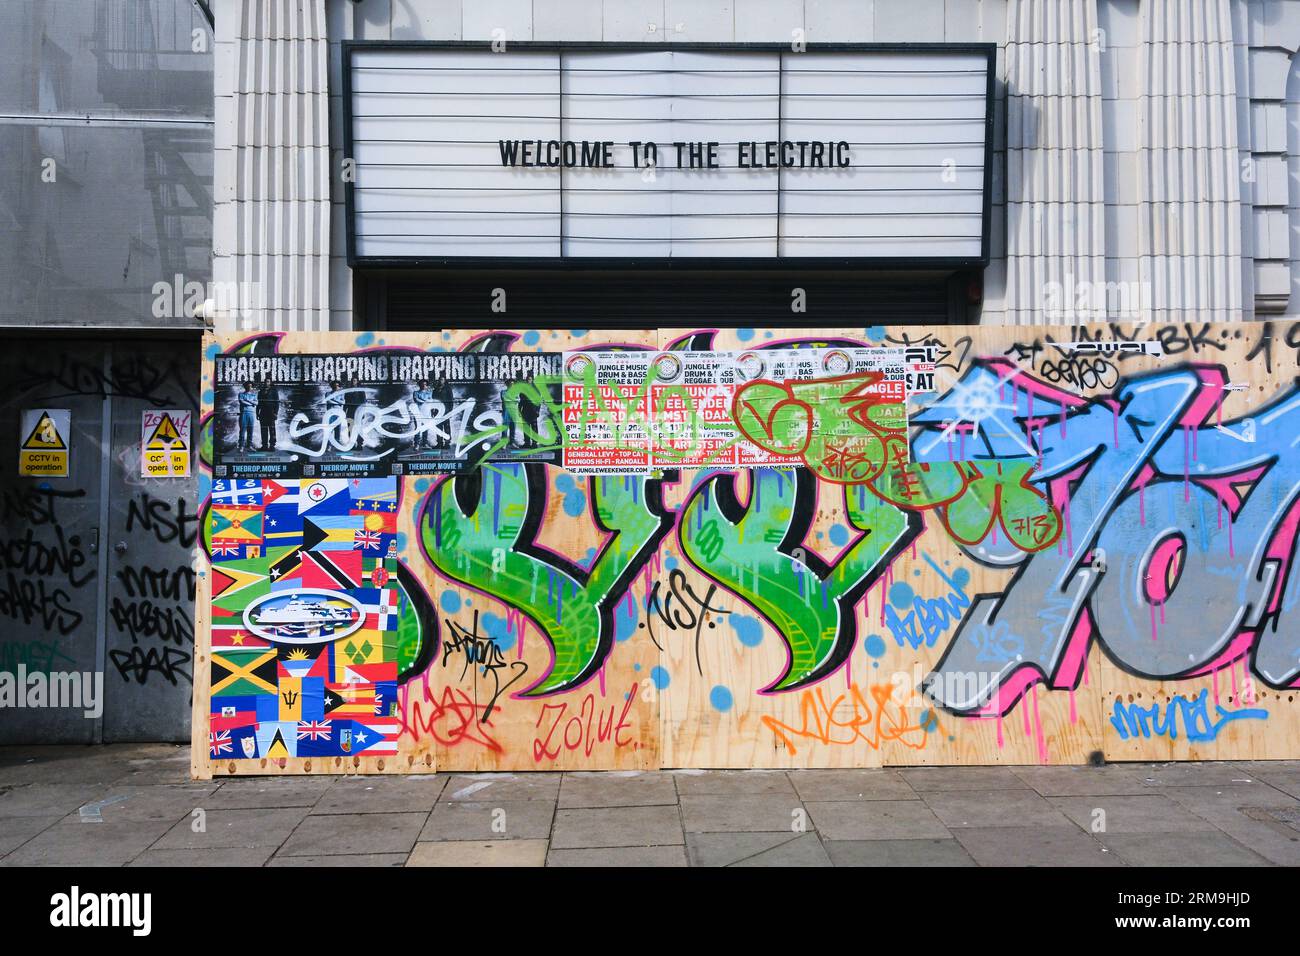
x: 303, y: 616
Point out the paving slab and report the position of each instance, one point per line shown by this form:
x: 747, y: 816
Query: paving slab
x: 616, y: 826
x: 1034, y: 846
x: 463, y: 820
x: 342, y: 859
x: 1283, y: 778
x: 1251, y: 814
x: 170, y: 763
x: 269, y: 793
x: 73, y: 843
x: 695, y: 783
x: 1216, y: 774
x: 353, y: 833
x: 68, y: 765
x: 1180, y: 849
x: 1082, y: 781
x: 579, y: 790
x: 482, y: 787
x: 993, y: 808
x: 15, y: 831
x: 705, y: 813
x: 727, y: 849
x: 898, y: 853
x: 923, y: 779
x: 45, y: 799
x: 213, y: 856
x: 617, y: 856
x: 381, y: 795
x: 804, y: 850
x: 1210, y: 813
x: 480, y: 853
x: 877, y: 820
x: 828, y: 785
x: 233, y: 828
x: 1235, y: 796
x: 1150, y: 813
x: 156, y: 802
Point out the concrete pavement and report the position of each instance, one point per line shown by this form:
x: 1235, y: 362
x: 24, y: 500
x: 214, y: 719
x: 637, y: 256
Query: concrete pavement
x: 135, y: 805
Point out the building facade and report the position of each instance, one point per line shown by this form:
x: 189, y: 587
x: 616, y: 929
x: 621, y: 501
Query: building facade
x: 1141, y: 163
x: 175, y: 163
x: 106, y: 138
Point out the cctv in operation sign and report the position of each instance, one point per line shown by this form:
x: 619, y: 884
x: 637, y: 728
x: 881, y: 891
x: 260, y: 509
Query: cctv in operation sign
x: 595, y: 152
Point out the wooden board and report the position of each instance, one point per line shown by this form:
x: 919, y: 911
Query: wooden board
x: 1138, y: 606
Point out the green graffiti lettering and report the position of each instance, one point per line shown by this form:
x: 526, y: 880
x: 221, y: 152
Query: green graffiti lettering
x: 757, y: 551
x: 480, y: 529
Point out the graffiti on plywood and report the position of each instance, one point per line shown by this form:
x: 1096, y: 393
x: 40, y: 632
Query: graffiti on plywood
x: 746, y: 548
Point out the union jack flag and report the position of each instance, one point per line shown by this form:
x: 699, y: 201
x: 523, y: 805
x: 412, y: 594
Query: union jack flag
x: 225, y: 547
x: 314, y: 730
x: 219, y: 743
x: 366, y: 540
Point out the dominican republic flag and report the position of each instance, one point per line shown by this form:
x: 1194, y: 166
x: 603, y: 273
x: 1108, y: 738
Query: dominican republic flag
x: 380, y: 607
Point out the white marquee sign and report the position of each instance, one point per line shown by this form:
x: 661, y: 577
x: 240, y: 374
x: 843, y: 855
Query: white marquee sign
x: 550, y: 153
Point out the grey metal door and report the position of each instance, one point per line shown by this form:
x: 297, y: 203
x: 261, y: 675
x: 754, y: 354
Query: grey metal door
x: 51, y: 580
x: 96, y: 575
x: 151, y: 528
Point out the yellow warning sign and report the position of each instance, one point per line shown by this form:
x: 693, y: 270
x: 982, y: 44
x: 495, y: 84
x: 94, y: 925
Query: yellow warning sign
x: 44, y: 449
x: 165, y: 444
x: 165, y: 435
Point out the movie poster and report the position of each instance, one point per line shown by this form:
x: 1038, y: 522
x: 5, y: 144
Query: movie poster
x: 642, y: 412
x: 357, y: 415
